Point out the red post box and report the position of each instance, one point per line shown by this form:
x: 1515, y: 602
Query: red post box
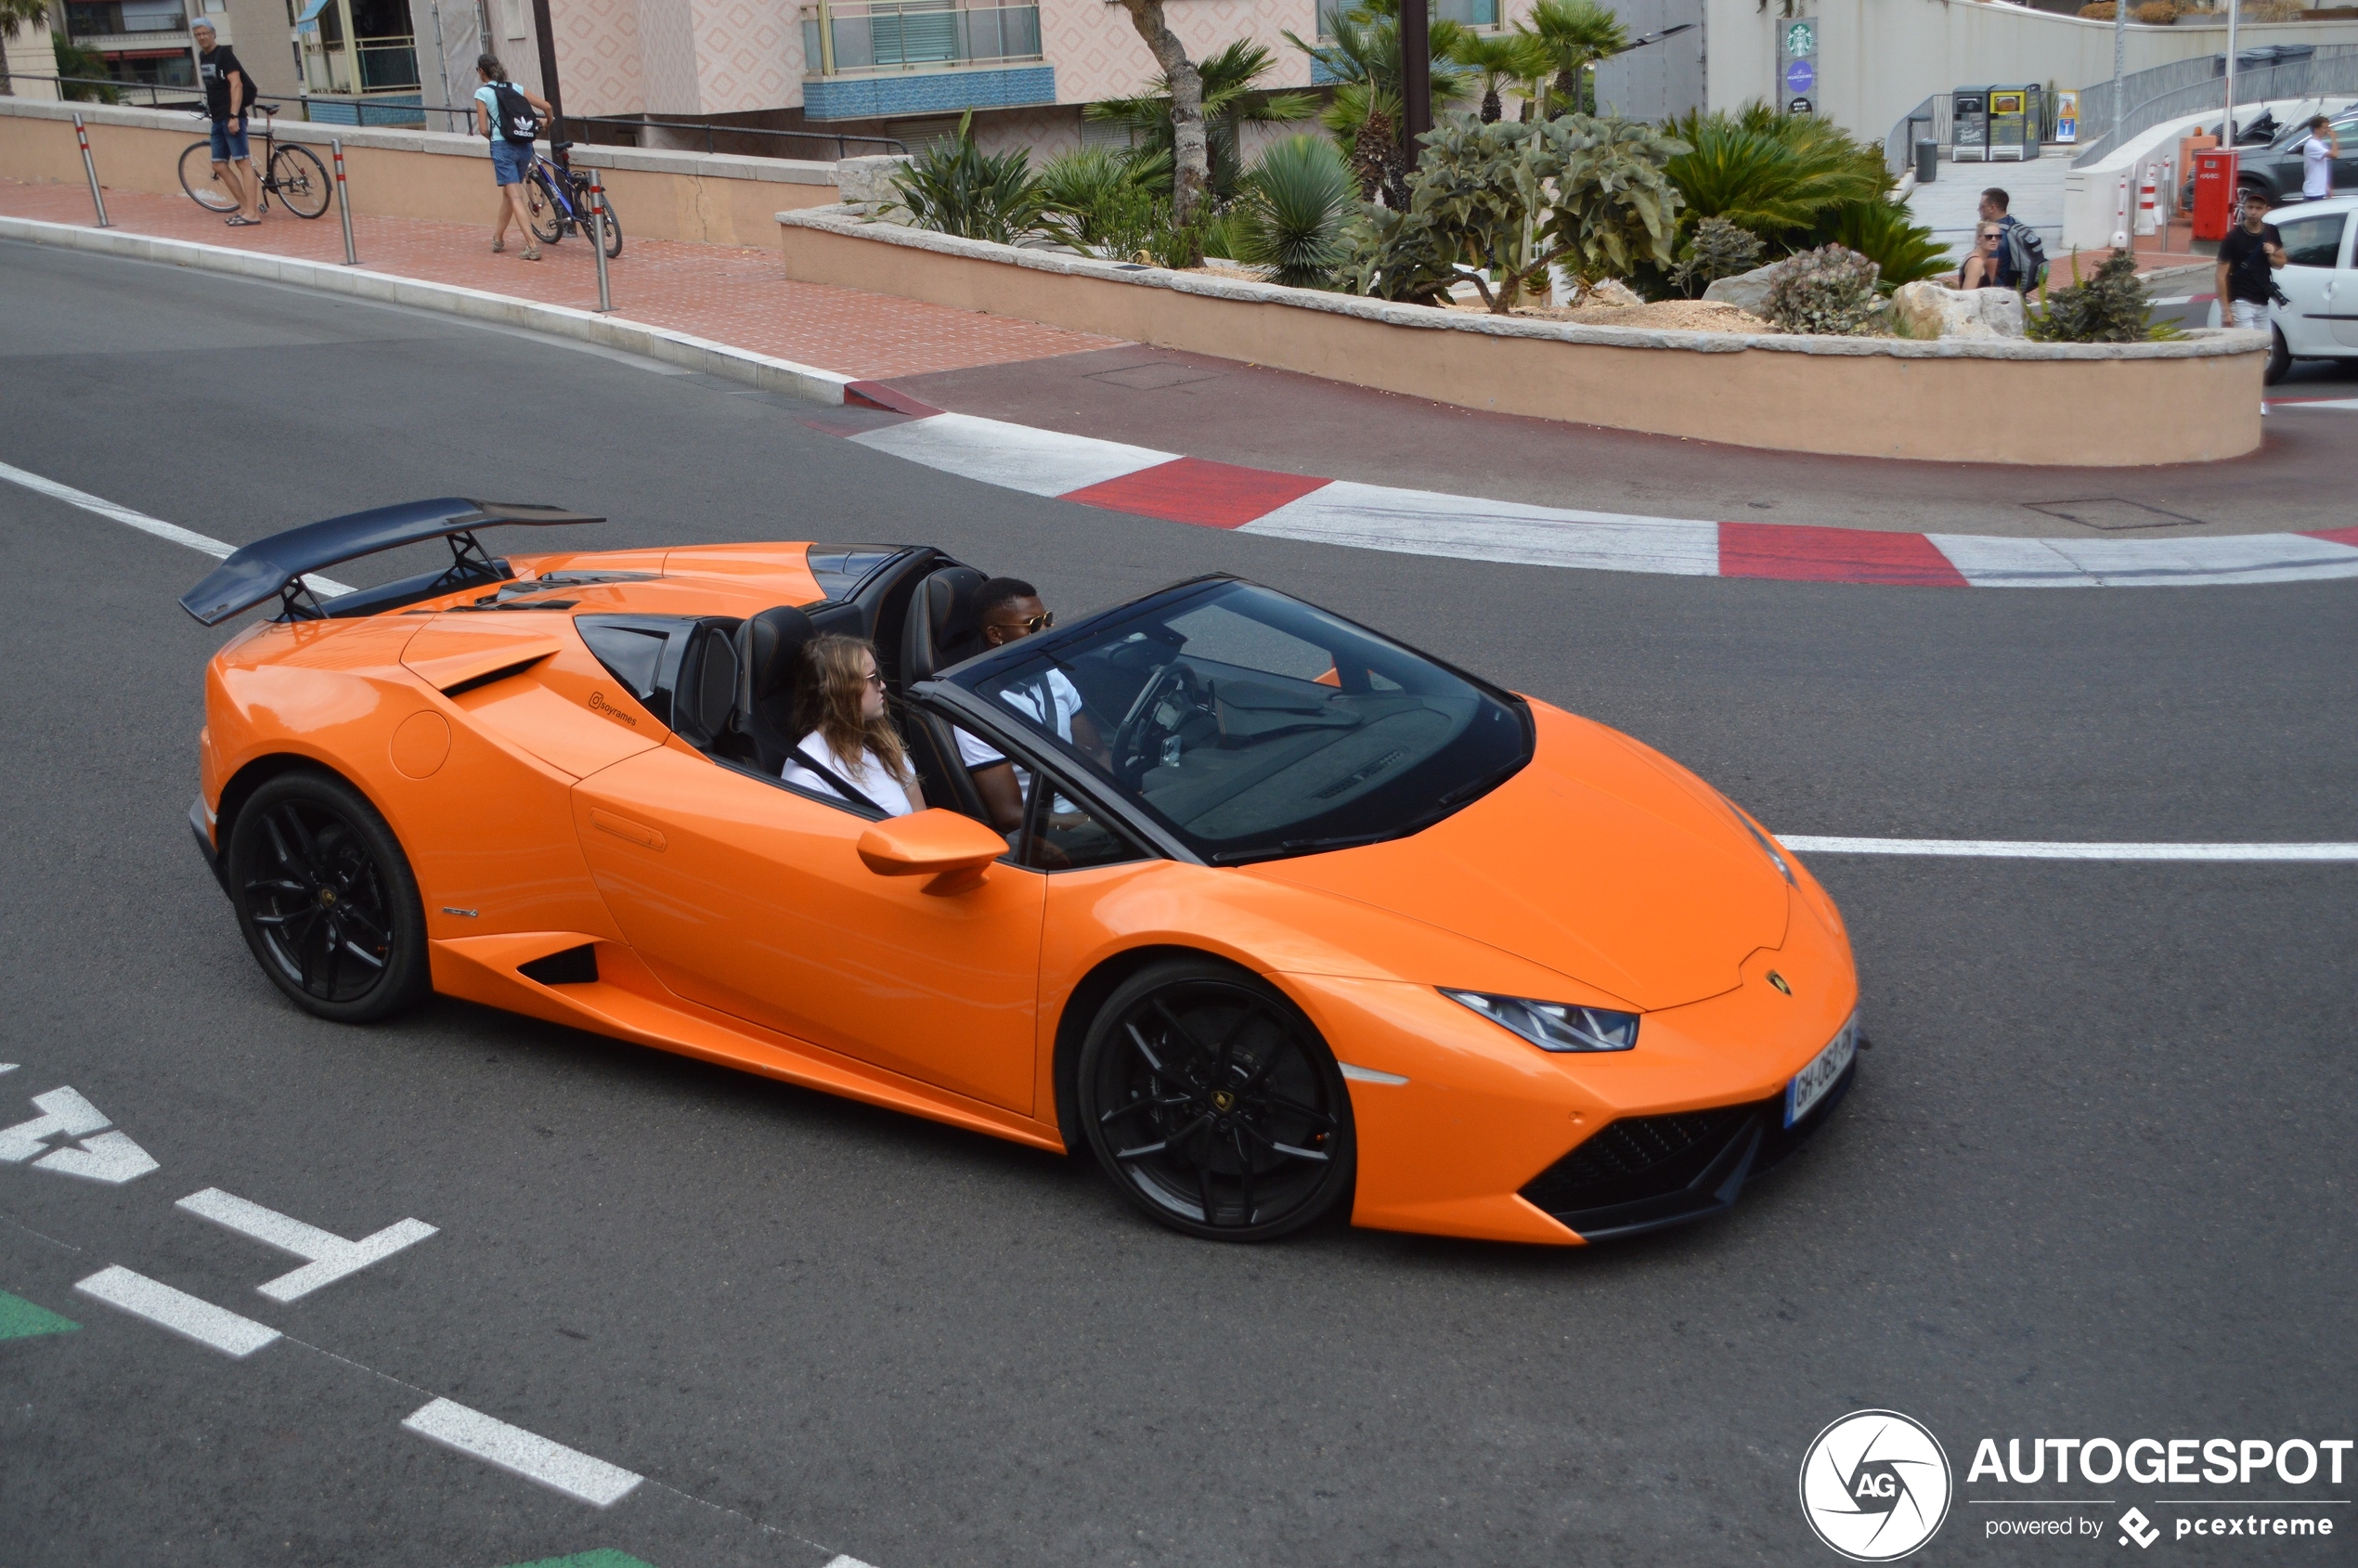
x: 2214, y: 193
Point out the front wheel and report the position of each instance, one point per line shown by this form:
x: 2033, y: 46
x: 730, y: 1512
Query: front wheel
x: 196, y: 179
x: 548, y: 214
x: 300, y: 181
x: 1214, y: 1105
x: 326, y: 901
x: 2279, y: 356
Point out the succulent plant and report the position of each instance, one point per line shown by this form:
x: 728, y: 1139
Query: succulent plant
x: 1828, y: 291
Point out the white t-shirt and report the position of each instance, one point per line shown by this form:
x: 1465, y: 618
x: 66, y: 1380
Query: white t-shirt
x: 869, y: 776
x: 1036, y: 699
x: 2316, y: 169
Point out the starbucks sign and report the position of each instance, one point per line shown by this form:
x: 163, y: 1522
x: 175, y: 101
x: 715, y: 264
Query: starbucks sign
x: 1797, y: 65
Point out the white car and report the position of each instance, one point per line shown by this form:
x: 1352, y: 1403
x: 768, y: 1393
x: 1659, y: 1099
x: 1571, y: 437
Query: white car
x: 2319, y: 279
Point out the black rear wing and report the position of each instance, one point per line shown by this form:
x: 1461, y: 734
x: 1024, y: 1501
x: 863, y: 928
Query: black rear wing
x: 277, y: 565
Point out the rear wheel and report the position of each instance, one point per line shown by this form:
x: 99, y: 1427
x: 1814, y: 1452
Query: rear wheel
x: 614, y: 228
x: 300, y: 181
x: 1214, y: 1105
x: 326, y: 901
x: 2279, y: 356
x: 196, y: 179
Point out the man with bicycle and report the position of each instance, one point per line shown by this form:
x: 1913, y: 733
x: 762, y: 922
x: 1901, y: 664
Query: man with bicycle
x: 228, y: 91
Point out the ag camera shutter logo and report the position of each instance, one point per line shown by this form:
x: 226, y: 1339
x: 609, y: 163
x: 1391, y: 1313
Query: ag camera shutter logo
x: 1875, y: 1485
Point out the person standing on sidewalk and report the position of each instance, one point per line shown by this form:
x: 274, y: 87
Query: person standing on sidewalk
x: 228, y: 93
x: 510, y: 117
x: 2318, y: 155
x: 2248, y: 259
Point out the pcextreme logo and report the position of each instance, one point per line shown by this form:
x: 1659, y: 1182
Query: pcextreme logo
x: 1875, y: 1485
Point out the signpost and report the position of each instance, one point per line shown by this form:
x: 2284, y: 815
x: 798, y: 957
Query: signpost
x: 2068, y: 114
x: 1797, y: 66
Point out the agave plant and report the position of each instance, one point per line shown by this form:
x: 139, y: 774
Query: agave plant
x: 957, y: 189
x: 1296, y: 200
x: 1232, y: 99
x: 1569, y: 36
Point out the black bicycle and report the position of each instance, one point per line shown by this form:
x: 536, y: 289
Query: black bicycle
x: 563, y: 202
x: 293, y: 175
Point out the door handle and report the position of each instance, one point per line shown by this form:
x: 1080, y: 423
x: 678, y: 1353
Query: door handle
x: 623, y: 827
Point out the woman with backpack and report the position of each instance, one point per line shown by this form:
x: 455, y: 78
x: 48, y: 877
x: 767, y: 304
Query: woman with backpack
x: 510, y: 117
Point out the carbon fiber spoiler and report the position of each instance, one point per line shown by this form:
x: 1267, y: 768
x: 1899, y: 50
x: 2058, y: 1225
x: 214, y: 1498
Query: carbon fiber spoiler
x: 277, y: 565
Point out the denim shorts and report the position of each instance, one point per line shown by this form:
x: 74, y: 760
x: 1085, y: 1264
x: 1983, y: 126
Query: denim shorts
x: 510, y: 162
x: 228, y: 145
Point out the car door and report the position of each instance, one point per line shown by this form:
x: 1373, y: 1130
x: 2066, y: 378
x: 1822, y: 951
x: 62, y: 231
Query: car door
x: 752, y: 898
x: 2311, y: 280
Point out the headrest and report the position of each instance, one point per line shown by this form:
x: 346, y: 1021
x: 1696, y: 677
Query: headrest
x: 941, y: 629
x: 769, y: 647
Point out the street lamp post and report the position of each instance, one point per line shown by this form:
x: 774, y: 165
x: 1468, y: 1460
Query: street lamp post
x: 2227, y: 131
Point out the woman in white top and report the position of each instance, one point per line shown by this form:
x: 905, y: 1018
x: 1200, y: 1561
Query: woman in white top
x: 839, y: 706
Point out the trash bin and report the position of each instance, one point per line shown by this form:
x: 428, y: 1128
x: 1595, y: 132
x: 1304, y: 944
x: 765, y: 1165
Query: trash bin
x: 1928, y: 160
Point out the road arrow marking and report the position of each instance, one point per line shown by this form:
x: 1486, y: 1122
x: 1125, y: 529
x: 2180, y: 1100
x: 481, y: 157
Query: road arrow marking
x: 176, y: 1310
x: 111, y: 1157
x: 328, y: 1257
x: 523, y: 1453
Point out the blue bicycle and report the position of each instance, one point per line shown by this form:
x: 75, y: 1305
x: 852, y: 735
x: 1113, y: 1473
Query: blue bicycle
x: 561, y: 202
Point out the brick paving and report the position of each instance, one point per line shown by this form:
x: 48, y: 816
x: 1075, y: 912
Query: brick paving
x: 729, y: 293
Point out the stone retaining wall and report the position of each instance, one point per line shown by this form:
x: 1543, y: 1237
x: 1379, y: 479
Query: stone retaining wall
x: 406, y: 173
x: 1968, y: 400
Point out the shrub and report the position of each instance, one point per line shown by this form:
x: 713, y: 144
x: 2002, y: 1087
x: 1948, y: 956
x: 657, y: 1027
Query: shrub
x: 1099, y: 189
x: 2155, y: 13
x: 954, y: 189
x: 1717, y: 249
x: 1291, y: 218
x: 1615, y: 207
x: 1903, y: 252
x: 2109, y: 308
x: 1828, y: 291
x: 1777, y: 174
x: 2100, y: 11
x: 78, y: 59
x: 1388, y: 255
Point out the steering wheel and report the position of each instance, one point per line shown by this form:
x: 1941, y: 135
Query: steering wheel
x: 1129, y: 751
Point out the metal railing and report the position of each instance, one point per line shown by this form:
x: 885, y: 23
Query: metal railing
x: 869, y: 36
x: 106, y: 88
x: 717, y: 137
x: 2183, y: 88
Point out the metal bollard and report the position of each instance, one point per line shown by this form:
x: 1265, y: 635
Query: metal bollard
x: 344, y: 205
x: 598, y: 239
x: 90, y: 167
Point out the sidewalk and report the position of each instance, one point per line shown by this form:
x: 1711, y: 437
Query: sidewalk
x: 1286, y: 425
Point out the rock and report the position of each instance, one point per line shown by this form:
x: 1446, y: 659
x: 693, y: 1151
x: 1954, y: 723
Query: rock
x: 1746, y: 290
x: 1615, y: 292
x: 1935, y: 310
x: 867, y: 182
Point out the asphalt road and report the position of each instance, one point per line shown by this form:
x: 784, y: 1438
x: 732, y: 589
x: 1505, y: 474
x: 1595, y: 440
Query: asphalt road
x: 2096, y: 1180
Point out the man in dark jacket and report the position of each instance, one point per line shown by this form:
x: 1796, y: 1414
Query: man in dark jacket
x: 228, y: 93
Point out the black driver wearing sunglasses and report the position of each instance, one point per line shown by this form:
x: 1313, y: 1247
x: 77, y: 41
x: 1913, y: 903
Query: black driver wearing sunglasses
x: 1006, y: 610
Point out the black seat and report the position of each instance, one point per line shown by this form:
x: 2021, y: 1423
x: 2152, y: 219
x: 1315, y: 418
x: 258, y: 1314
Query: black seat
x: 940, y: 631
x: 768, y: 655
x: 707, y: 694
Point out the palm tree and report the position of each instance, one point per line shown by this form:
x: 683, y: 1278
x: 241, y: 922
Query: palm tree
x: 1190, y: 155
x: 1572, y: 36
x: 1231, y: 100
x: 1362, y: 55
x: 1499, y: 58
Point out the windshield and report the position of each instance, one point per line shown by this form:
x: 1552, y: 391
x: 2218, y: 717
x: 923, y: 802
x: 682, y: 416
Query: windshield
x: 1253, y: 725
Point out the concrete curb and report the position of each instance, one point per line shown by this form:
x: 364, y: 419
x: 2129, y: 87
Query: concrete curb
x: 586, y: 326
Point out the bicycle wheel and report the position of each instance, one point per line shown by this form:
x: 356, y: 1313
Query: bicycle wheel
x: 614, y: 228
x: 300, y: 180
x: 196, y: 179
x: 548, y: 212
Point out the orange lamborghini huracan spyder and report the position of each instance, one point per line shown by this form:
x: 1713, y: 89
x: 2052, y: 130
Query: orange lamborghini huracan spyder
x: 1314, y: 920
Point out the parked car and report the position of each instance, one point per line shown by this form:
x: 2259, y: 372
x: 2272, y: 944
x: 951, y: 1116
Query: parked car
x: 2319, y: 317
x: 2276, y: 167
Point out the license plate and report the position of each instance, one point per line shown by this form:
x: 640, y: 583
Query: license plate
x: 1810, y: 1085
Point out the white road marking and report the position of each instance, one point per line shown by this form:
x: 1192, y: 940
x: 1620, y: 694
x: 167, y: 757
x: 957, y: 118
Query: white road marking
x: 8, y: 1067
x: 325, y: 587
x: 1427, y: 523
x: 1991, y: 562
x: 1017, y: 456
x: 523, y: 1453
x: 844, y: 1559
x: 63, y: 1114
x: 2041, y: 850
x: 1368, y: 1074
x: 178, y: 1311
x: 328, y: 1257
x: 111, y: 1158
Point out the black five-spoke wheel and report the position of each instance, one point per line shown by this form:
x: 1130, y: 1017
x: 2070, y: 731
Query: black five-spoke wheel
x: 326, y: 898
x: 1213, y: 1103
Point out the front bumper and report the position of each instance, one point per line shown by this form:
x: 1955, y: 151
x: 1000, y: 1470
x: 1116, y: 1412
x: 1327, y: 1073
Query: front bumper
x: 1643, y: 1172
x: 201, y: 823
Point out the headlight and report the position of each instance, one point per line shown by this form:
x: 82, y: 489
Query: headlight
x: 1554, y: 1026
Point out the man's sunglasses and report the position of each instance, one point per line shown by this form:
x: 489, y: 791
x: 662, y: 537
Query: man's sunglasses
x: 1040, y: 622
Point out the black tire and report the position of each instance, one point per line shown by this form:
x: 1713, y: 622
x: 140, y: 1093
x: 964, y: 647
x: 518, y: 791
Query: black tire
x: 326, y: 901
x: 300, y: 181
x: 196, y: 179
x: 2279, y: 356
x: 548, y: 214
x: 1213, y: 1103
x: 614, y: 228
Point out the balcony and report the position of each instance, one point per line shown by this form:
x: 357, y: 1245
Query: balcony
x: 870, y: 59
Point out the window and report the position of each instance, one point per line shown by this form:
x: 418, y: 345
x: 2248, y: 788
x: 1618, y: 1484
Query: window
x: 2313, y: 242
x: 1062, y: 835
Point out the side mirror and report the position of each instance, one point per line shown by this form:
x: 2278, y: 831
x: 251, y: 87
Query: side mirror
x: 954, y: 850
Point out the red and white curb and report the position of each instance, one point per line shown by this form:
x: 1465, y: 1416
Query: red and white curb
x: 1148, y: 483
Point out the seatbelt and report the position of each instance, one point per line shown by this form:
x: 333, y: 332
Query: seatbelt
x: 836, y: 779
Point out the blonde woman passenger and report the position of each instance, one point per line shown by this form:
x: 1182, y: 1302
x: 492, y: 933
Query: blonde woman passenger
x: 850, y: 749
